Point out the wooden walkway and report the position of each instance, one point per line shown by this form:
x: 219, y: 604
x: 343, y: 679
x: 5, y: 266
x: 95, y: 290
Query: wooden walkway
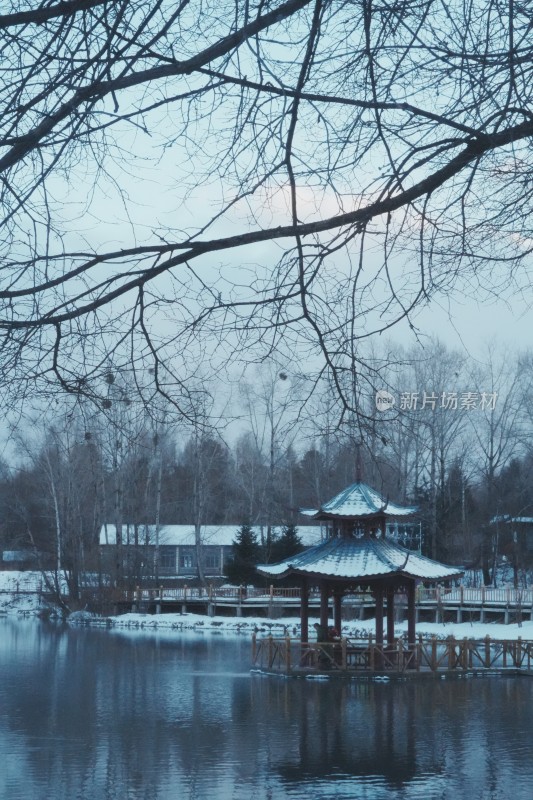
x: 364, y: 657
x: 458, y: 604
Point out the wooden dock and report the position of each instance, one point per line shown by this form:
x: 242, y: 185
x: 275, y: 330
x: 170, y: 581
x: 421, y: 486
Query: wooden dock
x: 357, y: 657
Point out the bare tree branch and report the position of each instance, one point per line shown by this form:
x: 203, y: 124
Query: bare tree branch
x: 193, y: 186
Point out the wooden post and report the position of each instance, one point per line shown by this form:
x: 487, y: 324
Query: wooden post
x: 486, y: 663
x: 451, y: 652
x: 400, y: 655
x: 411, y: 614
x: 390, y: 616
x: 270, y: 650
x: 287, y: 654
x: 337, y: 611
x: 324, y: 607
x: 135, y: 606
x: 464, y: 654
x: 344, y: 655
x: 378, y: 592
x: 271, y: 602
x: 434, y: 653
x: 378, y: 661
x: 254, y: 647
x: 304, y: 612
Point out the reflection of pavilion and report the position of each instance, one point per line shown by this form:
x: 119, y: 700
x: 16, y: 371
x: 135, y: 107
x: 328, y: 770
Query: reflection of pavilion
x: 372, y: 732
x: 358, y: 555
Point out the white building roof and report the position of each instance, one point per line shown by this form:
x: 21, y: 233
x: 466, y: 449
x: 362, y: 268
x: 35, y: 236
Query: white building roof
x: 184, y: 534
x: 508, y: 520
x: 359, y: 500
x: 360, y: 558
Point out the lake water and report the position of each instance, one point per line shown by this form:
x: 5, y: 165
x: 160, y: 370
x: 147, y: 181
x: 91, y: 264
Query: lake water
x: 93, y: 714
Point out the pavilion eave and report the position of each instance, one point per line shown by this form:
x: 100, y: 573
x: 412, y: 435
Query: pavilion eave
x: 324, y: 516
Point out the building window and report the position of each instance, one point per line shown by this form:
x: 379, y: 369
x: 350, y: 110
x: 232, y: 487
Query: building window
x: 167, y: 560
x: 187, y: 561
x: 211, y: 558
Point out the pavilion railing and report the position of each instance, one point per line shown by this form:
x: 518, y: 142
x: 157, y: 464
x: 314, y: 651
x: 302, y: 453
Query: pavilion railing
x: 358, y: 655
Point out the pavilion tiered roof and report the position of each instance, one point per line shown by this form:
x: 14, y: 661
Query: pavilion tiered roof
x: 360, y: 558
x: 359, y: 501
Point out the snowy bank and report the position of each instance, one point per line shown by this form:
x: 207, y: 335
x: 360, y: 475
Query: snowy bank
x: 20, y: 593
x: 290, y: 626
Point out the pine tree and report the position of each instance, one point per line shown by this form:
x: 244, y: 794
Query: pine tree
x: 288, y: 544
x: 240, y: 569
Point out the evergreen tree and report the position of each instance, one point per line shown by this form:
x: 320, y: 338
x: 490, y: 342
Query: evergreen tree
x: 240, y: 569
x: 286, y: 545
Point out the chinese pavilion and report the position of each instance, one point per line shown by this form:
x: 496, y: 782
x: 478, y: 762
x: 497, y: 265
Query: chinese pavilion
x: 357, y: 555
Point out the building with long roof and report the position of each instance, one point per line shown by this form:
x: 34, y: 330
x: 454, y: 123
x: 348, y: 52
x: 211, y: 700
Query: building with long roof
x: 178, y: 550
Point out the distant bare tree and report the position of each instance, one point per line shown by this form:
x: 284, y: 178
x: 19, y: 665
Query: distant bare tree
x: 65, y: 491
x: 209, y: 182
x: 501, y: 429
x: 270, y: 402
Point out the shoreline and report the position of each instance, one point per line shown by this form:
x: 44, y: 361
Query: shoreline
x: 18, y: 598
x: 290, y: 626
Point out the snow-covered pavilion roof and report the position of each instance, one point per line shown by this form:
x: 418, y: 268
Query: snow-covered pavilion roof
x: 364, y: 557
x: 359, y: 500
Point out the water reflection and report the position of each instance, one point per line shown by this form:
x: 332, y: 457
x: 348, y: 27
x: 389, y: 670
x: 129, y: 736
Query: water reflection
x: 93, y: 714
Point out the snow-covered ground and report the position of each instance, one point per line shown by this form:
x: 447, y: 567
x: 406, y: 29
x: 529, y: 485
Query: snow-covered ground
x: 290, y: 626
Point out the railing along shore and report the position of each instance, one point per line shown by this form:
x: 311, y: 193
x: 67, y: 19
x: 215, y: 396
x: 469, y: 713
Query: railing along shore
x: 461, y: 595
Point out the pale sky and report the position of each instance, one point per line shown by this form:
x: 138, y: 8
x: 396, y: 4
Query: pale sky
x: 470, y: 326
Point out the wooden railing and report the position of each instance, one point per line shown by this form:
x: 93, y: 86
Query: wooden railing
x: 186, y: 593
x: 458, y: 595
x: 439, y: 596
x: 210, y: 593
x: 426, y: 655
x: 477, y: 596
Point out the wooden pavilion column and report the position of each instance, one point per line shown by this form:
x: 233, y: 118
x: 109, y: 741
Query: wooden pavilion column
x: 378, y: 593
x: 411, y: 613
x: 324, y: 610
x: 337, y: 610
x: 304, y: 611
x: 390, y: 615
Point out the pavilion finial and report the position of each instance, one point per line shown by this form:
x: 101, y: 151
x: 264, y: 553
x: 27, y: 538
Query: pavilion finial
x: 358, y: 463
